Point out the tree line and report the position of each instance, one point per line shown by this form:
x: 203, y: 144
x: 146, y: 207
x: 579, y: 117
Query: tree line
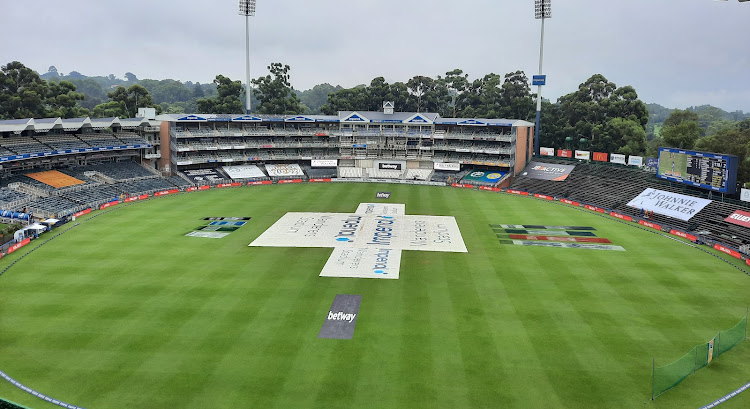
x: 597, y: 116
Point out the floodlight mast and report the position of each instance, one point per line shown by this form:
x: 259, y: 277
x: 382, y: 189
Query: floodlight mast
x: 542, y: 10
x: 247, y: 9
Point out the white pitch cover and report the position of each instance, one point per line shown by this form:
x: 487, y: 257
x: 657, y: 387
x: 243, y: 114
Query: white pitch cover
x: 373, y: 262
x: 386, y: 209
x: 367, y: 243
x: 243, y: 172
x: 351, y: 230
x: 669, y: 204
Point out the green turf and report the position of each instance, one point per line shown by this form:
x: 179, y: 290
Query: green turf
x: 680, y: 164
x: 125, y: 311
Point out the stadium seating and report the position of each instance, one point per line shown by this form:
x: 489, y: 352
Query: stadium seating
x: 612, y: 186
x: 350, y: 172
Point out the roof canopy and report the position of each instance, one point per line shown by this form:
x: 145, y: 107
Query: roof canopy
x: 42, y: 125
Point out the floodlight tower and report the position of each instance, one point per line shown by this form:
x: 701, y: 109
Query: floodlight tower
x: 247, y: 9
x: 542, y: 10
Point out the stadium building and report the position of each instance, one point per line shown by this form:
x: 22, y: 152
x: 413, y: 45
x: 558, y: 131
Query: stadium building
x: 384, y: 145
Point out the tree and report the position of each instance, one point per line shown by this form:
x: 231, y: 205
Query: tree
x: 275, y: 93
x: 198, y: 91
x: 133, y: 98
x: 627, y: 136
x: 22, y: 92
x: 457, y: 83
x: 52, y: 71
x: 61, y: 100
x: 732, y: 142
x: 110, y: 109
x: 418, y: 87
x: 130, y: 77
x: 92, y: 91
x: 681, y: 129
x: 317, y: 96
x: 227, y: 100
x: 515, y: 97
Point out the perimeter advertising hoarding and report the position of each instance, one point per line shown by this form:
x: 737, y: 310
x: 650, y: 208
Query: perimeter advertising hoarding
x: 584, y: 155
x: 635, y: 160
x: 199, y: 176
x: 669, y: 204
x: 547, y: 151
x: 286, y: 169
x: 711, y: 171
x: 739, y: 218
x: 600, y: 156
x: 244, y: 172
x: 745, y: 195
x: 565, y: 153
x: 484, y: 176
x: 548, y: 171
x: 617, y: 158
x: 324, y: 163
x: 450, y: 166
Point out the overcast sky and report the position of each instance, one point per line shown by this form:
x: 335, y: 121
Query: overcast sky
x: 676, y: 53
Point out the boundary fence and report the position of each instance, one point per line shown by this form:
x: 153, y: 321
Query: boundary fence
x: 664, y: 378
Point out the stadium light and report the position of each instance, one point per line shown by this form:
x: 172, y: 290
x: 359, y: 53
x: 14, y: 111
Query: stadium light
x: 247, y: 9
x: 542, y: 10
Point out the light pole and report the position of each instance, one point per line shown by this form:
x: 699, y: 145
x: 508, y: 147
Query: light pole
x: 542, y: 10
x: 247, y: 9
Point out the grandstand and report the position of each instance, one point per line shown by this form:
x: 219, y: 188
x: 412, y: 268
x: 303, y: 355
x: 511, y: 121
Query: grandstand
x: 359, y: 140
x: 612, y: 186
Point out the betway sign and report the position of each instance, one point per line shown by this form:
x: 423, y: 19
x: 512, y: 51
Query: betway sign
x: 669, y: 204
x: 739, y: 218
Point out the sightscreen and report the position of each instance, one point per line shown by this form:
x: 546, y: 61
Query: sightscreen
x: 710, y: 171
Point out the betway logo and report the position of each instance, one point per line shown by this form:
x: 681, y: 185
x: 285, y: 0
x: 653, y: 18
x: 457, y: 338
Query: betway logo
x: 341, y: 316
x: 390, y: 166
x: 383, y: 195
x: 383, y: 231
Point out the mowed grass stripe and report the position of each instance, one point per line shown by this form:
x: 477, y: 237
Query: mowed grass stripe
x: 125, y: 308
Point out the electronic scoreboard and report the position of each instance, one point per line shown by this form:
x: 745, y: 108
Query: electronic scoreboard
x: 712, y: 171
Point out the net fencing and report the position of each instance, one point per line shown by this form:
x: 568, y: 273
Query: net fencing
x: 668, y: 376
x: 732, y: 337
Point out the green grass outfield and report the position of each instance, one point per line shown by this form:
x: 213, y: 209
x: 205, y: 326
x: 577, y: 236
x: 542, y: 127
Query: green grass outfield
x: 124, y: 311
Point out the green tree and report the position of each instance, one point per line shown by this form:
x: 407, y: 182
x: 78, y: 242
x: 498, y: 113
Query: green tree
x: 130, y: 77
x: 275, y: 93
x: 681, y: 129
x: 92, y: 91
x: 133, y: 98
x: 457, y: 84
x: 317, y: 96
x: 22, y: 92
x: 110, y: 109
x: 628, y: 136
x: 732, y: 142
x: 515, y: 97
x: 198, y: 91
x: 61, y: 100
x: 227, y: 100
